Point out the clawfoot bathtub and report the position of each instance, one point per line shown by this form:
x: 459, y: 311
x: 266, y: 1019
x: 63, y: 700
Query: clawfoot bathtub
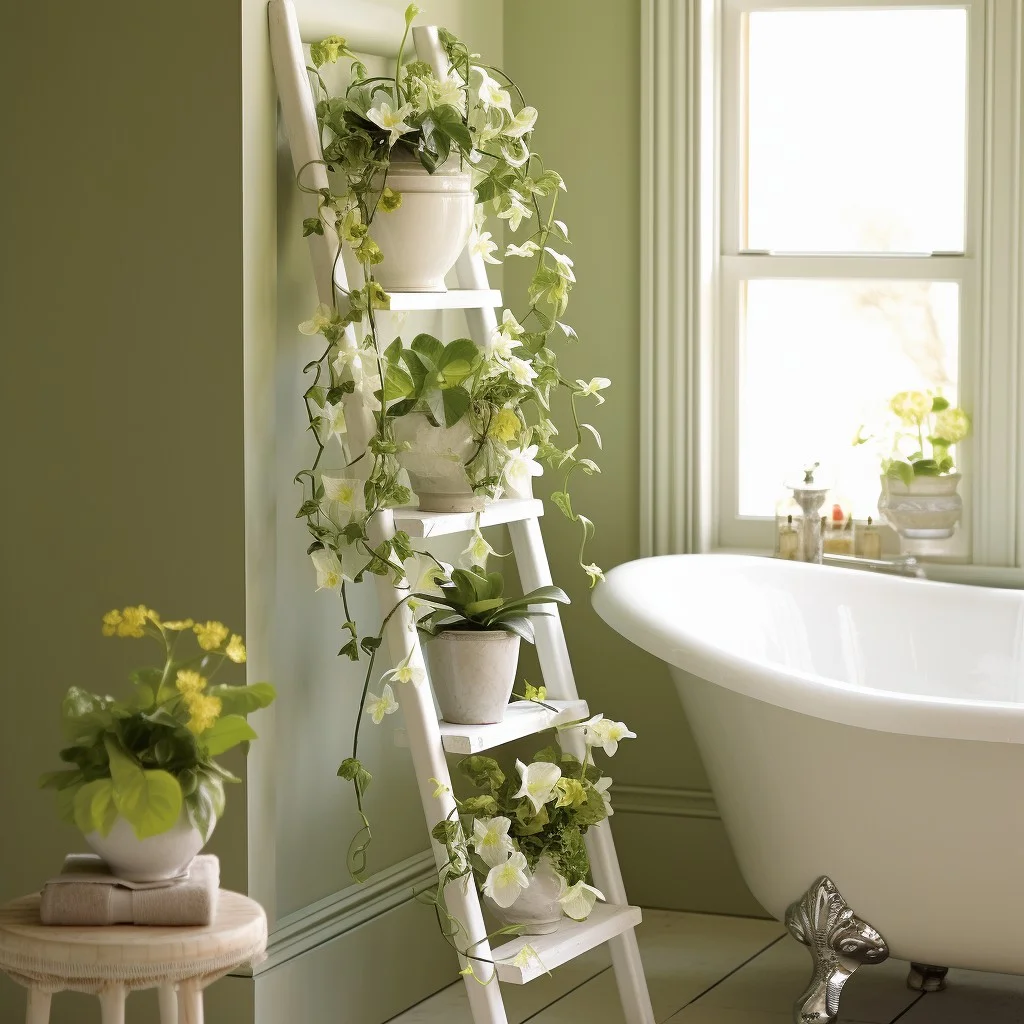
x: 864, y: 737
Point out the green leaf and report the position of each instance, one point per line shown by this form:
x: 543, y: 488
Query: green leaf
x: 939, y: 403
x: 429, y: 349
x: 447, y: 833
x: 593, y: 431
x: 60, y: 779
x: 350, y: 651
x: 482, y: 804
x: 925, y: 467
x: 455, y: 403
x: 312, y: 226
x: 353, y: 770
x: 561, y: 499
x: 94, y: 807
x: 327, y: 51
x: 149, y: 800
x: 205, y: 804
x: 484, y: 772
x: 900, y: 470
x: 243, y: 700
x: 397, y: 383
x: 448, y: 121
x: 227, y: 732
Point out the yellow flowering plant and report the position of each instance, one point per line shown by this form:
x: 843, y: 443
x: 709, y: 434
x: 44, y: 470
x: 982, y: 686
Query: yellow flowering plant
x: 149, y: 757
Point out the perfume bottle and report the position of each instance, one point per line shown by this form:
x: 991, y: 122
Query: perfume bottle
x: 787, y: 540
x: 839, y: 532
x: 869, y: 540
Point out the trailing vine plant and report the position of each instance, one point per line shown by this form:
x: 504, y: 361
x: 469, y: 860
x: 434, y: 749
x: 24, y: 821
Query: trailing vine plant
x: 477, y: 118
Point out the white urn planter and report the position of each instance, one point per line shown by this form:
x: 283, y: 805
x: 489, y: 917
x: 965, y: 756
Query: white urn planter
x: 154, y: 859
x: 472, y: 673
x: 423, y: 238
x: 537, y: 909
x: 927, y: 509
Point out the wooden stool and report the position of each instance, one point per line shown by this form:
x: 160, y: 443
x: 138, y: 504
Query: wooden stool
x: 112, y: 961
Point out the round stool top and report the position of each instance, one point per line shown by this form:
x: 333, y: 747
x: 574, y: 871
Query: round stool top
x: 136, y: 956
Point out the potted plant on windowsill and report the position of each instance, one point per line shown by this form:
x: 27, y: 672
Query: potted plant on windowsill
x: 920, y: 498
x: 472, y: 643
x: 146, y: 791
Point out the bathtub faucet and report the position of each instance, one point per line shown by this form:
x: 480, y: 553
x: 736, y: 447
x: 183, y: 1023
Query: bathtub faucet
x: 903, y: 565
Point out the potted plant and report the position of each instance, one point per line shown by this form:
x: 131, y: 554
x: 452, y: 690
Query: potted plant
x: 521, y: 836
x: 145, y: 790
x: 472, y: 647
x: 920, y: 483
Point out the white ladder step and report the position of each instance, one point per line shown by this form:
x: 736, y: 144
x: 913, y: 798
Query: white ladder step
x: 454, y: 298
x: 522, y: 718
x: 571, y: 940
x: 438, y: 524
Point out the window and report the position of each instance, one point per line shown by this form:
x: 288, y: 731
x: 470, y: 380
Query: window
x: 847, y: 245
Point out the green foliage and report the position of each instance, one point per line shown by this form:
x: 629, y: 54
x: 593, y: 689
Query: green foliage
x: 474, y: 600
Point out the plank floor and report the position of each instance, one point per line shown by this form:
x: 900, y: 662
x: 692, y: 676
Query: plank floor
x: 706, y: 969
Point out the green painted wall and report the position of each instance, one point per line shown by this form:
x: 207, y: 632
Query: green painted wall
x: 120, y: 383
x: 579, y: 64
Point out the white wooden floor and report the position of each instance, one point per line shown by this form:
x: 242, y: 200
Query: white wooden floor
x: 704, y: 969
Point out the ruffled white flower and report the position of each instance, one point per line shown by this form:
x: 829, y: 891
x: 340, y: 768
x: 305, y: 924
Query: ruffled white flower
x: 603, y: 732
x: 522, y: 123
x: 329, y: 574
x: 595, y: 572
x: 450, y: 90
x: 491, y: 840
x: 538, y: 784
x: 563, y: 264
x: 505, y: 882
x: 346, y: 490
x: 362, y: 367
x: 586, y: 388
x: 422, y: 572
x: 322, y: 318
x: 504, y: 338
x: 526, y: 250
x: 577, y: 901
x: 521, y: 371
x: 491, y: 93
x: 378, y: 707
x: 517, y: 211
x: 331, y: 422
x: 602, y: 786
x: 481, y: 245
x: 405, y: 673
x: 392, y: 121
x: 476, y: 552
x: 522, y: 464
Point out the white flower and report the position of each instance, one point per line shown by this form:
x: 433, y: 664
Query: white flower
x: 448, y: 90
x: 506, y: 881
x: 527, y: 249
x: 476, y: 552
x: 481, y: 245
x: 491, y: 840
x: 604, y: 733
x: 378, y: 707
x: 406, y: 673
x: 522, y: 123
x: 539, y: 781
x: 347, y: 491
x: 392, y: 121
x: 321, y: 319
x: 577, y: 901
x: 422, y: 572
x: 362, y: 367
x: 596, y: 384
x: 563, y: 264
x: 522, y: 372
x: 331, y: 422
x: 329, y: 574
x: 504, y: 338
x: 491, y: 93
x: 521, y: 465
x: 602, y: 786
x: 516, y: 212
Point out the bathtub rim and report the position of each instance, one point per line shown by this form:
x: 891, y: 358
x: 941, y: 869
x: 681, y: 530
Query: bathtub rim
x: 617, y: 603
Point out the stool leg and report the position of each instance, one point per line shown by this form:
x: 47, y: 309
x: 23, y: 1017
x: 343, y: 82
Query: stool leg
x: 112, y: 1005
x: 190, y: 1003
x: 168, y: 1004
x: 38, y: 1007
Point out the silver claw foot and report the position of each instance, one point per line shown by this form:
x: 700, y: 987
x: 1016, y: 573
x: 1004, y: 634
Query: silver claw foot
x: 927, y: 977
x: 839, y: 941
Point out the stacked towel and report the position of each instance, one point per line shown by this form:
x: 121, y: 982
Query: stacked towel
x: 86, y: 894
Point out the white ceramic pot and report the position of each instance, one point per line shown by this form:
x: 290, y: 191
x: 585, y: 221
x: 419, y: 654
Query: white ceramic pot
x: 423, y: 238
x: 472, y: 673
x: 154, y: 859
x: 929, y: 508
x: 436, y: 463
x: 537, y: 908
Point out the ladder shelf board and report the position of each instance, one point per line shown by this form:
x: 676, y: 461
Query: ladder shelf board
x: 438, y: 524
x: 572, y: 939
x: 522, y: 718
x: 454, y: 298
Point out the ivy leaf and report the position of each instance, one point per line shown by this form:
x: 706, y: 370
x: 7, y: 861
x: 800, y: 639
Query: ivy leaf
x: 327, y: 51
x: 227, y: 732
x: 307, y: 508
x: 448, y: 122
x: 561, y: 499
x: 353, y: 770
x: 484, y: 772
x: 455, y: 402
x: 312, y: 226
x: 447, y: 833
x: 350, y: 651
x: 370, y: 643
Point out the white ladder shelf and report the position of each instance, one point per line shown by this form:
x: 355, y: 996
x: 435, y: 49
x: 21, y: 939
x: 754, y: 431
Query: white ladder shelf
x: 428, y: 739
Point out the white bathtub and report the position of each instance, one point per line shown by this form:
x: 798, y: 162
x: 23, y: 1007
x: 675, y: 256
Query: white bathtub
x: 860, y: 726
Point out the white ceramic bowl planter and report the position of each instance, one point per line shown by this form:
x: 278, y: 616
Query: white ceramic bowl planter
x: 537, y: 909
x: 472, y: 673
x: 423, y: 238
x: 436, y: 463
x: 154, y: 859
x: 928, y: 508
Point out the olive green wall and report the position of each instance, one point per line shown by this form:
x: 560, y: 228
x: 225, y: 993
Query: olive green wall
x: 120, y: 382
x: 579, y: 64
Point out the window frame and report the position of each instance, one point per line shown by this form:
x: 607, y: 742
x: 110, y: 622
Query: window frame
x: 690, y: 337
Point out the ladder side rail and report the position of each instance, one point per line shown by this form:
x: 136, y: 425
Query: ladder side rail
x: 470, y: 269
x: 553, y: 654
x: 427, y: 750
x: 299, y: 116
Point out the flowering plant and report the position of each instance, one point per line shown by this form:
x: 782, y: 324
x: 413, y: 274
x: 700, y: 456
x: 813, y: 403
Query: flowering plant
x: 544, y: 809
x: 919, y: 436
x: 149, y: 756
